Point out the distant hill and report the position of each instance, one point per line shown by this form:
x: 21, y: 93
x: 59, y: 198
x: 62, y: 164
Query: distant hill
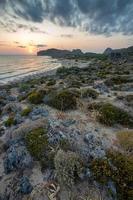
x: 58, y: 53
x: 124, y: 53
x: 75, y: 53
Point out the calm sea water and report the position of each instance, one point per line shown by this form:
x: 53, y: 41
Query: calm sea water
x: 14, y: 67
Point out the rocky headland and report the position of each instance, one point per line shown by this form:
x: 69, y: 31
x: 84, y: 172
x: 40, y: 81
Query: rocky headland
x: 69, y: 134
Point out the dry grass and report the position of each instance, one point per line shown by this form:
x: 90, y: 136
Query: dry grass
x: 126, y: 141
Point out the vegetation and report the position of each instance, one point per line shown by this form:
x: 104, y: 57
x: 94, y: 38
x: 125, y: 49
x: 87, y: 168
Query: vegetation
x: 38, y: 146
x: 110, y: 115
x: 10, y: 121
x: 117, y: 80
x: 63, y: 100
x: 126, y: 141
x: 36, y: 97
x: 68, y: 167
x: 86, y: 93
x: 51, y: 82
x: 119, y: 168
x: 26, y: 111
x: 24, y: 87
x: 36, y: 142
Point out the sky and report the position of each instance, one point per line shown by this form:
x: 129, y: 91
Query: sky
x: 27, y: 26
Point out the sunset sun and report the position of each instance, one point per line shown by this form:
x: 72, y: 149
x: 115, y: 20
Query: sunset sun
x: 30, y: 49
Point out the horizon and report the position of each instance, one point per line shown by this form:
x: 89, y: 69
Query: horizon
x: 92, y: 26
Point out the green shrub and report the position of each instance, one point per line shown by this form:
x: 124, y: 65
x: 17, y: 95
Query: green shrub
x: 36, y: 142
x: 36, y: 97
x: 26, y: 111
x: 119, y: 168
x: 62, y: 70
x: 38, y: 146
x: 68, y: 167
x: 86, y: 93
x: 10, y: 121
x: 63, y: 100
x: 110, y: 115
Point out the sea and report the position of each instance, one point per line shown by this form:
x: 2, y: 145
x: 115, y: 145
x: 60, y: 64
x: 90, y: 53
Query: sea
x: 15, y: 67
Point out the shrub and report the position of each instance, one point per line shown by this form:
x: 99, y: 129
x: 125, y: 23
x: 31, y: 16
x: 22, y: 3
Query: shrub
x: 63, y: 100
x: 117, y: 80
x: 118, y: 168
x: 24, y: 87
x: 36, y: 97
x: 62, y: 70
x: 51, y: 82
x: 38, y: 146
x: 36, y: 142
x: 26, y: 111
x: 86, y: 93
x: 10, y: 121
x: 110, y: 115
x: 68, y: 167
x: 126, y: 140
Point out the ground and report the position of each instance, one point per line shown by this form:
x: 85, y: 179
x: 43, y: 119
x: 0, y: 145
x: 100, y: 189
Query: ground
x: 82, y: 88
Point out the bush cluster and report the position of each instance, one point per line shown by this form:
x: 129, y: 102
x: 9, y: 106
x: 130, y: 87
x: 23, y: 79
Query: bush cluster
x: 118, y: 168
x: 36, y: 97
x: 38, y: 146
x: 110, y: 115
x: 86, y: 93
x: 63, y: 100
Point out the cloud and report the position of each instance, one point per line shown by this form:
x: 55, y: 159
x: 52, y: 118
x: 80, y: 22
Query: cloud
x: 23, y: 47
x: 94, y: 16
x: 66, y: 35
x: 40, y: 45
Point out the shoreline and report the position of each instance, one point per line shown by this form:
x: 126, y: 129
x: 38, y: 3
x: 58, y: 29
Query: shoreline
x: 64, y: 62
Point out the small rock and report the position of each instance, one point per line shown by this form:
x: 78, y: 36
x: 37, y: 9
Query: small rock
x: 68, y: 122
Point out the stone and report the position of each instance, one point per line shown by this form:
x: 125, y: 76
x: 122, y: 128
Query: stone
x: 68, y: 122
x: 39, y: 111
x: 25, y: 185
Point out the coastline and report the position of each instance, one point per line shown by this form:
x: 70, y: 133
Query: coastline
x: 64, y: 62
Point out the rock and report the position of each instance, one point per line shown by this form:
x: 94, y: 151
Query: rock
x: 39, y: 111
x: 17, y: 157
x: 11, y: 98
x: 68, y: 122
x: 25, y: 185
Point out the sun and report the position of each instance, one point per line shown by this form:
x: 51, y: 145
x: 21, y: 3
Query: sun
x: 30, y: 49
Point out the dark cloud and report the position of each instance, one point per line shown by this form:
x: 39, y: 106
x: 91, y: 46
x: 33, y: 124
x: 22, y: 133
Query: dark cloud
x: 40, y: 45
x: 66, y: 35
x: 95, y: 16
x: 23, y: 47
